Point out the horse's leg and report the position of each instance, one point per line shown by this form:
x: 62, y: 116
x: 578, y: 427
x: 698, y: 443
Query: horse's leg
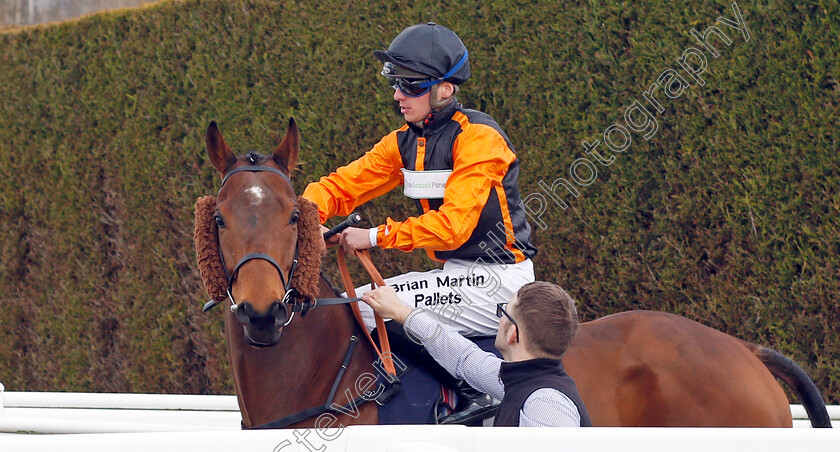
x: 655, y: 369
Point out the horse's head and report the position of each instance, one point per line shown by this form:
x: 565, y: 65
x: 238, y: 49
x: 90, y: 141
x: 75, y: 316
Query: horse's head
x: 249, y: 238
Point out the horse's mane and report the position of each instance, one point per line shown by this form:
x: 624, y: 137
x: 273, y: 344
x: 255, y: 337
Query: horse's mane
x: 206, y: 235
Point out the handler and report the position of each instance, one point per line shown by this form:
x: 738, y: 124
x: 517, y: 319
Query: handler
x: 534, y: 389
x: 460, y: 169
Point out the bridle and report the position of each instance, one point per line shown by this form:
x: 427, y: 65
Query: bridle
x: 303, y: 305
x: 298, y: 302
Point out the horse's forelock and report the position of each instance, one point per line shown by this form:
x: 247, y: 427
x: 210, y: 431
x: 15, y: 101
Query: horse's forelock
x: 254, y: 157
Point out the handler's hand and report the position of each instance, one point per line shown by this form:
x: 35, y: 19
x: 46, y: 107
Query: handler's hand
x: 387, y: 304
x: 352, y: 239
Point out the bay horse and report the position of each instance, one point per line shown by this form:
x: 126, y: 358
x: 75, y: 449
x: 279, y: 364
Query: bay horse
x: 257, y: 245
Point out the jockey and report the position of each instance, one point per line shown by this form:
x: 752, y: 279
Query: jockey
x: 460, y: 169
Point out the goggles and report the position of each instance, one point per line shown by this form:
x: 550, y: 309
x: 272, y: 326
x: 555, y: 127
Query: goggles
x: 410, y: 83
x: 413, y: 88
x: 415, y: 84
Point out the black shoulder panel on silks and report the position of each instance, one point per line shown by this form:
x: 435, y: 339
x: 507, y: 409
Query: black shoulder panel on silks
x: 488, y: 241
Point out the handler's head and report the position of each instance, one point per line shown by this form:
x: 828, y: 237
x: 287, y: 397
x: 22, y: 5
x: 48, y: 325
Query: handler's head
x: 546, y: 318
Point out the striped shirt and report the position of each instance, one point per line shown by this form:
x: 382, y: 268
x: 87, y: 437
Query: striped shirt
x: 545, y: 407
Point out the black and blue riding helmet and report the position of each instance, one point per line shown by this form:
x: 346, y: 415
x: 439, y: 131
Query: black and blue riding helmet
x: 424, y: 55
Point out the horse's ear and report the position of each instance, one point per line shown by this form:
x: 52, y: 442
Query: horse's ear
x: 286, y: 153
x: 219, y: 152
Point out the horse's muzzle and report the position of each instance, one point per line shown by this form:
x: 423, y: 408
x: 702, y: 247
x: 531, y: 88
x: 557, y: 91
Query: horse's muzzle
x: 262, y: 329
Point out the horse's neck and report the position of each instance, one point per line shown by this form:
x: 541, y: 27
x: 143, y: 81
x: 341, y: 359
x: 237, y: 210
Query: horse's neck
x: 299, y: 371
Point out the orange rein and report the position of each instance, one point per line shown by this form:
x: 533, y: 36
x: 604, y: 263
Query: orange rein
x: 376, y: 281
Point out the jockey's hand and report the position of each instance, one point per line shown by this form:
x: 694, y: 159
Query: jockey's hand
x: 352, y: 239
x: 387, y: 304
x: 331, y: 242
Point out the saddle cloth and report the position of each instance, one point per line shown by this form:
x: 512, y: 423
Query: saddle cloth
x: 421, y: 394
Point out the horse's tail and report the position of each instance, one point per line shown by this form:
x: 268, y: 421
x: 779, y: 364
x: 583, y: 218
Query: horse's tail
x: 786, y: 370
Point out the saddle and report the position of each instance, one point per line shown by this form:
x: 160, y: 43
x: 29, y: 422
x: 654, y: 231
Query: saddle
x: 453, y: 401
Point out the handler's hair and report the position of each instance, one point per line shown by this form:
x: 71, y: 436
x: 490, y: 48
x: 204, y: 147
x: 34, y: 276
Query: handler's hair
x: 206, y: 235
x: 547, y: 316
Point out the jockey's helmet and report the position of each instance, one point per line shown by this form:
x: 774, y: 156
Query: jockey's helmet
x: 428, y: 51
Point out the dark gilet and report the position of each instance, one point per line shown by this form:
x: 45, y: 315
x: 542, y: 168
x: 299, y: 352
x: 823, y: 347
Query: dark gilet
x: 522, y: 378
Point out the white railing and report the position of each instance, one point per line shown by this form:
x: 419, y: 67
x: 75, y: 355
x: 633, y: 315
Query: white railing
x: 79, y: 412
x: 64, y: 412
x: 800, y: 417
x: 443, y: 438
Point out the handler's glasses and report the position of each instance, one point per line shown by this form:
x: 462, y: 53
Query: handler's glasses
x: 500, y: 311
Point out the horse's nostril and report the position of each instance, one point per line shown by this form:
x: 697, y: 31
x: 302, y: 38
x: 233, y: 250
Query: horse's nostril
x: 278, y: 309
x: 274, y: 319
x: 243, y: 312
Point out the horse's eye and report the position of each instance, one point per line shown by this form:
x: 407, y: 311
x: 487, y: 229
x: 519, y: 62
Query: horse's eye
x: 220, y: 223
x: 295, y: 217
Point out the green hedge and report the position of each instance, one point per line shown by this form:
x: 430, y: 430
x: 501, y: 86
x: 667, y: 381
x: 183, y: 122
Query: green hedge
x: 727, y: 215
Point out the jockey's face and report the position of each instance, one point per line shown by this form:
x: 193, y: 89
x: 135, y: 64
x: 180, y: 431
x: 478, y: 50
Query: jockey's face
x: 413, y: 109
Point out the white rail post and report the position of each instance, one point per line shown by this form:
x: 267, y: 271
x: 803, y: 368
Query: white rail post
x: 2, y: 390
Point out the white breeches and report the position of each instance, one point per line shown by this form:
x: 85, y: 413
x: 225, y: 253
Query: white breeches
x: 463, y: 294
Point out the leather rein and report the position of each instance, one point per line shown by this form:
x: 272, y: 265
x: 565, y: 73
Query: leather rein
x: 391, y: 381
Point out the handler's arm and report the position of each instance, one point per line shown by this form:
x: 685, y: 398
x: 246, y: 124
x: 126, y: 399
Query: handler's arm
x: 453, y: 352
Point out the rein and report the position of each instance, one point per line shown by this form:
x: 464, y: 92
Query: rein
x: 350, y: 288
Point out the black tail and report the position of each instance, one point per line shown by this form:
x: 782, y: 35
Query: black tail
x: 786, y: 370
